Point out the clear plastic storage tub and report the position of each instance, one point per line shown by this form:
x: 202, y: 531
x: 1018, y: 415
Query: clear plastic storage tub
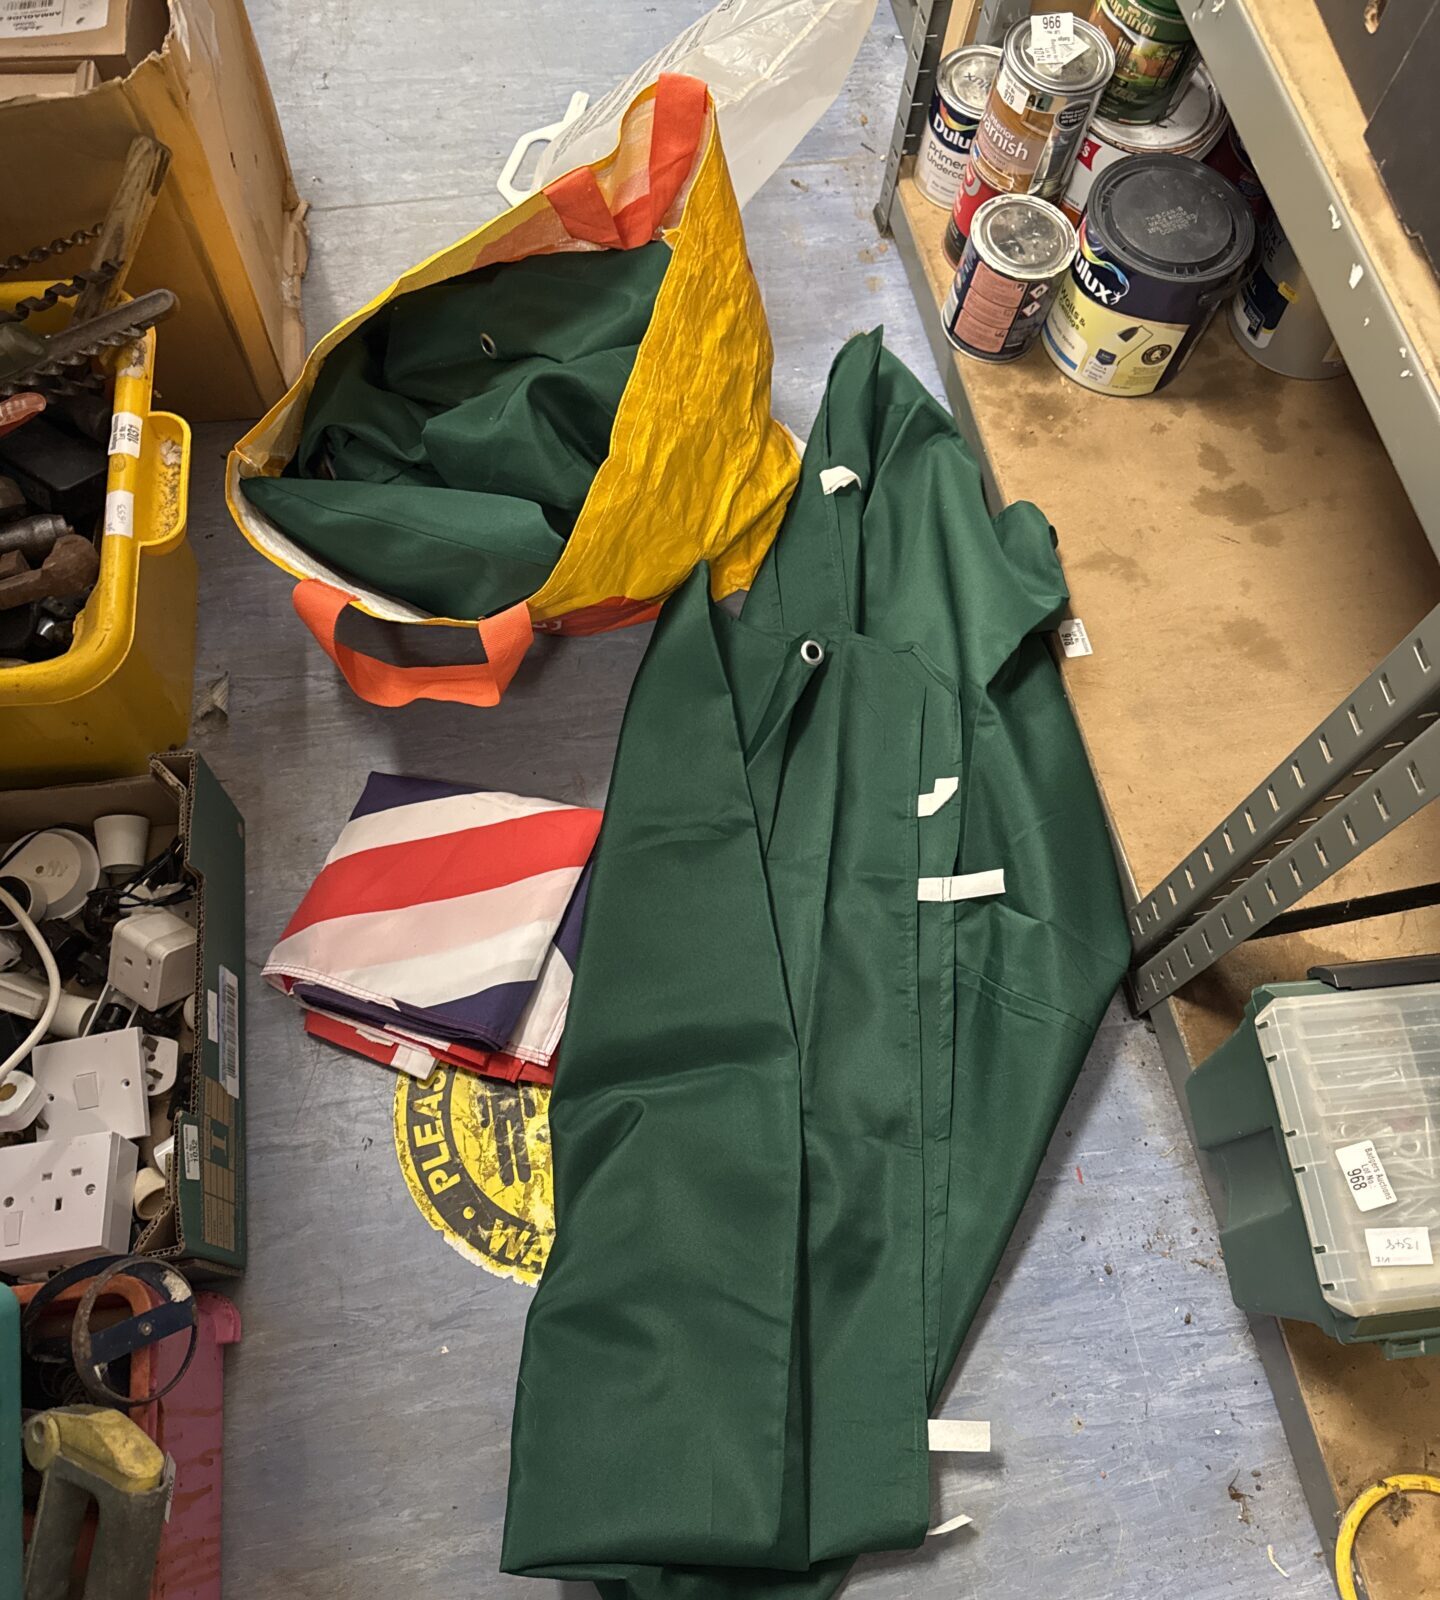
x: 1356, y: 1079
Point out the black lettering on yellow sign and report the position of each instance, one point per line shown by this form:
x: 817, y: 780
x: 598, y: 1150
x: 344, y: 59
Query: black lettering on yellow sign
x: 475, y: 1155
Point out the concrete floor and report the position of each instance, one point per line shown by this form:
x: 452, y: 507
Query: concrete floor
x: 1137, y: 1450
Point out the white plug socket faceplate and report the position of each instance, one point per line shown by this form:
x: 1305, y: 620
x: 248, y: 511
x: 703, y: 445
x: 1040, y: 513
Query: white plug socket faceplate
x: 65, y: 1200
x: 93, y: 1085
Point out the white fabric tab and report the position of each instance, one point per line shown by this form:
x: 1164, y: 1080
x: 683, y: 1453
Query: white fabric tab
x: 833, y: 478
x: 961, y: 1521
x: 967, y: 886
x: 945, y: 789
x: 948, y: 1435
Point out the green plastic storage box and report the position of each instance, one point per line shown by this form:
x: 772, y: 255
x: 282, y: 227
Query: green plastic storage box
x: 1322, y: 1112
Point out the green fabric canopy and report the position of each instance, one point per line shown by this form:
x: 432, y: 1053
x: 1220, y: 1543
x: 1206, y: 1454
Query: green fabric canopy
x: 800, y: 1106
x: 450, y: 442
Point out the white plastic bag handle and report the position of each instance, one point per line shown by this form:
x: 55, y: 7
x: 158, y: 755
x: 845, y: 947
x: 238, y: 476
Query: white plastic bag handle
x: 505, y: 183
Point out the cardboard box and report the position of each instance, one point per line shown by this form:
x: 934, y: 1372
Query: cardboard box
x: 46, y: 35
x: 202, y: 1228
x: 48, y: 85
x: 228, y: 232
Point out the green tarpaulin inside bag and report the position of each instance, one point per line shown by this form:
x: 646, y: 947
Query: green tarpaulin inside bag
x: 450, y: 442
x: 802, y: 1097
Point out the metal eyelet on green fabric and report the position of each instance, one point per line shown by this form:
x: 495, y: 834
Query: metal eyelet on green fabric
x: 488, y: 346
x: 812, y: 653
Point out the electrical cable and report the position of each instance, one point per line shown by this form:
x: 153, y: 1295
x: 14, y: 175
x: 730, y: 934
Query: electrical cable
x: 52, y: 978
x: 1360, y: 1507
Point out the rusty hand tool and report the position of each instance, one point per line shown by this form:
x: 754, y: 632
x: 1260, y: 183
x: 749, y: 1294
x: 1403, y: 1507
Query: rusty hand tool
x: 146, y: 163
x: 70, y: 570
x: 33, y: 537
x: 67, y: 289
x: 28, y: 359
x: 56, y: 247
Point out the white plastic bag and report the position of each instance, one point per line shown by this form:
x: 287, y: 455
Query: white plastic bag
x: 773, y: 67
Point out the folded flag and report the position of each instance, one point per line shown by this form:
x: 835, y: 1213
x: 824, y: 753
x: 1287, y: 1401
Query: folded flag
x: 443, y: 929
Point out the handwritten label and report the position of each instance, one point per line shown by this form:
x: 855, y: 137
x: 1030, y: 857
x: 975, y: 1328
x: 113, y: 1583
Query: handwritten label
x: 190, y: 1150
x: 126, y: 431
x: 1052, y: 39
x: 1399, y: 1247
x: 1074, y: 640
x: 120, y: 514
x: 1365, y: 1173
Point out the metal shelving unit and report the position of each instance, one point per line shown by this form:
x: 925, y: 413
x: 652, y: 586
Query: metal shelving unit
x: 1341, y: 248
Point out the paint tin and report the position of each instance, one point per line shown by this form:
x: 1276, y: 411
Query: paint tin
x: 962, y: 86
x: 973, y: 192
x: 1193, y: 128
x: 1037, y: 115
x: 1154, y: 55
x: 1164, y: 241
x: 1014, y: 257
x: 1276, y: 317
x: 1231, y: 159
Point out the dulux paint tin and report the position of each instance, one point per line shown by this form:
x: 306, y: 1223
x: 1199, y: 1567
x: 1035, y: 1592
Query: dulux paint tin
x: 1164, y: 241
x: 962, y: 86
x: 1276, y: 317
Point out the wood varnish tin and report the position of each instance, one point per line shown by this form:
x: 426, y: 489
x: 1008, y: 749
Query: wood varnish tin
x: 1036, y: 115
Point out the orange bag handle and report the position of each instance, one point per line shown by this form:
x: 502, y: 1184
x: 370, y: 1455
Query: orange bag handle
x: 675, y: 134
x: 506, y: 637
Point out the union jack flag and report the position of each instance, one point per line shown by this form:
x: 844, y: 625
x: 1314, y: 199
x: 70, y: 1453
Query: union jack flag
x: 443, y: 929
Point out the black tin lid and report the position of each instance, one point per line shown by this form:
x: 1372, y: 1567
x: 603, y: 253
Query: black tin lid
x: 1171, y: 218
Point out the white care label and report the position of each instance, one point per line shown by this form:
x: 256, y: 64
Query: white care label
x: 1364, y: 1172
x: 38, y: 19
x: 1052, y: 39
x: 833, y: 478
x: 190, y: 1146
x: 1074, y: 640
x: 126, y: 431
x: 120, y: 514
x: 1399, y: 1247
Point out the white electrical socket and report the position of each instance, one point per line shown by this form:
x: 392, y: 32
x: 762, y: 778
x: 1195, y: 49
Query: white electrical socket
x: 93, y: 1085
x: 152, y: 958
x: 65, y: 1200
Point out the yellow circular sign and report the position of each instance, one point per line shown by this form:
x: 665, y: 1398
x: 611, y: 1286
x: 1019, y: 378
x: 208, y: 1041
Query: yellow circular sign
x: 475, y: 1155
